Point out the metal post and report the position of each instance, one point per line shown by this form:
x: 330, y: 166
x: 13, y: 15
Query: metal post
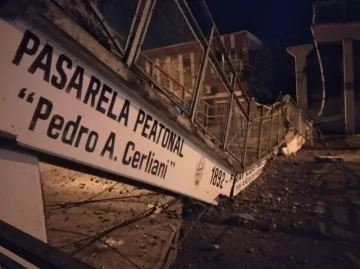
x: 200, y: 79
x: 152, y: 74
x: 207, y: 116
x: 248, y: 131
x: 271, y: 126
x: 183, y: 96
x: 133, y: 24
x: 195, y: 28
x: 246, y: 141
x: 261, y: 130
x: 229, y: 112
x: 134, y: 44
x: 282, y: 123
x: 278, y: 127
x: 107, y: 28
x: 228, y: 120
x: 311, y: 134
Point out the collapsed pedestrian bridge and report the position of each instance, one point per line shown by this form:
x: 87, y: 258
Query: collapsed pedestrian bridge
x: 135, y: 89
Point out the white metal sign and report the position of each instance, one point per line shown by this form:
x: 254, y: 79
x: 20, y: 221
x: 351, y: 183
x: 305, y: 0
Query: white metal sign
x: 54, y: 103
x: 244, y: 179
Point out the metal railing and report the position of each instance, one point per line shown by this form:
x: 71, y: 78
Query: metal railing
x: 165, y: 43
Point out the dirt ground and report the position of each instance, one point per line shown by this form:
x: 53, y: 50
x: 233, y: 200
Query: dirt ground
x: 303, y: 212
x: 138, y: 233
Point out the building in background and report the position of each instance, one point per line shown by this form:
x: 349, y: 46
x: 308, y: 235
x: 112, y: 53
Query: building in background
x: 176, y: 68
x: 182, y: 61
x: 337, y: 24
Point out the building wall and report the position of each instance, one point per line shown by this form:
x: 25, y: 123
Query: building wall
x: 181, y: 62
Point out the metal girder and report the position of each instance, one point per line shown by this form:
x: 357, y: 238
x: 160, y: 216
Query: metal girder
x: 261, y: 131
x: 138, y: 30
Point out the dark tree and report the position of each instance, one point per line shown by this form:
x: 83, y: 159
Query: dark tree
x: 270, y: 72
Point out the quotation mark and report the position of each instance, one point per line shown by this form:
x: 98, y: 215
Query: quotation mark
x: 172, y: 164
x: 22, y: 95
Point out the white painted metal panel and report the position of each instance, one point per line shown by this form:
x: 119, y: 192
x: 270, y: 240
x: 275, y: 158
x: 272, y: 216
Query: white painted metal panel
x: 53, y: 102
x: 21, y: 199
x: 244, y: 179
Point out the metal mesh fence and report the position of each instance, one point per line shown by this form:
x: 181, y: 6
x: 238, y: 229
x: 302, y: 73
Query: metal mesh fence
x: 252, y: 142
x: 186, y: 65
x: 83, y: 13
x: 293, y: 116
x: 171, y: 54
x: 274, y: 130
x: 212, y: 111
x: 235, y: 141
x: 165, y: 77
x: 281, y: 129
x: 264, y: 146
x: 119, y: 15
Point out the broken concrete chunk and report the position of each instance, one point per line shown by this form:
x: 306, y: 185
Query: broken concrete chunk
x: 320, y: 208
x: 328, y: 159
x: 250, y: 251
x: 246, y: 216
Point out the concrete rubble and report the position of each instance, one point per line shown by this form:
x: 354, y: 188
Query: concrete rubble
x: 289, y: 208
x: 80, y: 206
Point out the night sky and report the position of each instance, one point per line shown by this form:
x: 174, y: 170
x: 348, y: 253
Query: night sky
x: 275, y: 22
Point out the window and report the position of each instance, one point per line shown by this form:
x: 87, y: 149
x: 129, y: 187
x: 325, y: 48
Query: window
x: 164, y: 79
x: 232, y: 54
x: 219, y: 56
x: 187, y: 72
x: 207, y: 90
x: 221, y: 108
x: 186, y: 62
x: 229, y: 77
